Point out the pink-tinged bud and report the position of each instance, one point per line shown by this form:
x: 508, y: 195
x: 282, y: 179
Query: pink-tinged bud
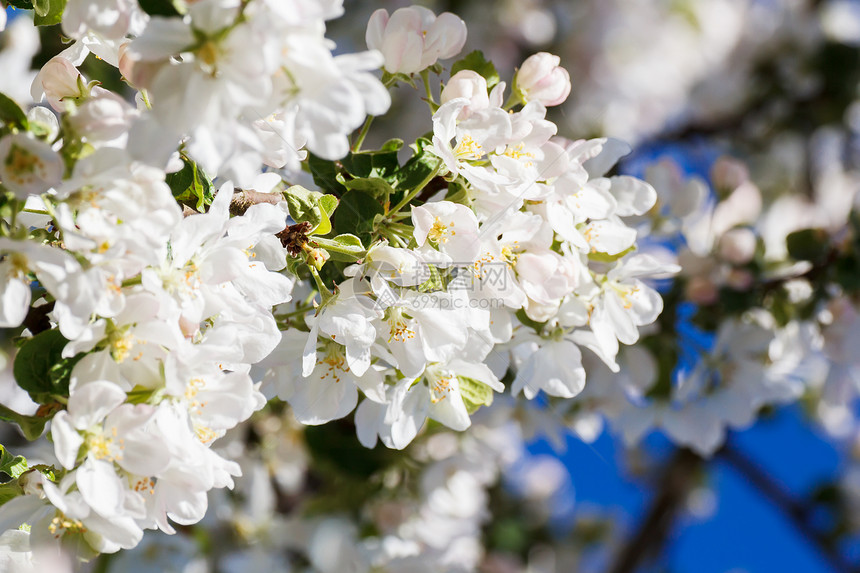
x: 728, y: 173
x: 103, y: 117
x: 739, y: 279
x: 138, y: 73
x: 470, y: 85
x: 57, y: 79
x: 413, y: 38
x: 541, y: 79
x: 737, y: 246
x: 702, y: 291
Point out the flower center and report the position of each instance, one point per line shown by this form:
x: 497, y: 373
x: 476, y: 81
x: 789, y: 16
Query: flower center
x: 103, y: 447
x: 440, y: 385
x: 21, y: 164
x: 624, y: 292
x: 398, y: 325
x: 439, y: 232
x: 61, y: 524
x: 120, y: 343
x: 334, y: 361
x: 517, y: 152
x: 467, y: 148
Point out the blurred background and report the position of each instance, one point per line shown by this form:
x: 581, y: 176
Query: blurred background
x: 768, y: 87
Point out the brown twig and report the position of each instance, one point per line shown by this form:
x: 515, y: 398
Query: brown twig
x: 243, y: 200
x: 675, y: 482
x: 798, y: 514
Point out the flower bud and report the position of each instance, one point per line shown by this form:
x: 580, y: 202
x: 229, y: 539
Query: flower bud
x: 541, y: 79
x: 739, y: 279
x: 139, y: 73
x: 737, y: 246
x: 413, y: 38
x: 58, y: 79
x: 468, y: 84
x: 316, y: 257
x: 103, y: 117
x: 701, y: 290
x: 43, y: 123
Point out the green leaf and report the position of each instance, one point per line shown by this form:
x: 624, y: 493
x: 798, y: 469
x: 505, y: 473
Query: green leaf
x: 13, y: 466
x: 808, y: 245
x: 327, y: 205
x: 11, y: 113
x: 382, y: 163
x: 475, y: 393
x: 344, y: 248
x: 22, y: 4
x: 355, y: 214
x: 417, y: 169
x: 190, y: 186
x: 31, y: 426
x: 10, y: 491
x: 48, y: 12
x: 434, y: 283
x: 304, y: 204
x: 847, y: 273
x: 336, y: 451
x: 40, y: 368
x: 162, y: 7
x: 526, y: 321
x: 476, y: 61
x: 325, y: 173
x: 312, y: 207
x: 375, y: 186
x: 607, y: 258
x: 41, y: 7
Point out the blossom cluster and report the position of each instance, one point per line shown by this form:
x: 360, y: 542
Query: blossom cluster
x: 147, y: 297
x: 214, y: 242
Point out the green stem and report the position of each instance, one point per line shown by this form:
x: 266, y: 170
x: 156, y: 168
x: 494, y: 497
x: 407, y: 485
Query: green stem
x: 356, y: 147
x: 325, y: 294
x: 336, y: 247
x: 513, y: 100
x: 298, y: 312
x: 145, y: 99
x: 414, y: 193
x: 49, y: 207
x: 134, y: 281
x: 400, y: 242
x: 425, y: 77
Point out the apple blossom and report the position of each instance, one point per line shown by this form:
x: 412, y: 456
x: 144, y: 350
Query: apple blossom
x: 541, y: 79
x: 28, y: 166
x: 412, y: 39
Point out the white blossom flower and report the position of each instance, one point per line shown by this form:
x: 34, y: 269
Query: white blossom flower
x: 413, y: 38
x: 542, y: 79
x: 28, y: 166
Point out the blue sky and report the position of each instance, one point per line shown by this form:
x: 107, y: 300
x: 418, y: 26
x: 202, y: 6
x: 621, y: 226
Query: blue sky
x: 746, y: 532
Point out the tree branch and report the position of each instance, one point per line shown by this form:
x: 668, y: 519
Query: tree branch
x: 797, y: 513
x: 675, y: 482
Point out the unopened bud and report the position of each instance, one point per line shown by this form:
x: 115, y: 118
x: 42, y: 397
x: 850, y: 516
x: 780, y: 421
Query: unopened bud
x: 702, y: 291
x: 541, y: 79
x: 316, y: 257
x: 737, y: 246
x: 468, y: 84
x: 58, y: 79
